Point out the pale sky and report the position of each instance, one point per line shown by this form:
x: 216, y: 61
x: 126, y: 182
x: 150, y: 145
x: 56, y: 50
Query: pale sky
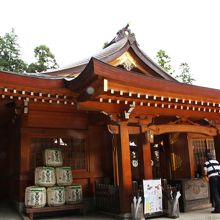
x: 188, y: 30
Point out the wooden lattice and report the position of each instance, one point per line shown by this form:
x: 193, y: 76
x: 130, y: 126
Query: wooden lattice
x: 200, y: 148
x: 73, y: 151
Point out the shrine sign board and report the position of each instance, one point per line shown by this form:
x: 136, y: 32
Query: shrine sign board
x: 152, y: 197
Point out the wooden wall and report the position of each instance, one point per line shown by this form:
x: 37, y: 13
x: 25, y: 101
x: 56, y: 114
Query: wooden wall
x: 165, y: 165
x: 174, y: 156
x: 52, y: 121
x: 180, y: 149
x: 9, y: 161
x: 4, y: 154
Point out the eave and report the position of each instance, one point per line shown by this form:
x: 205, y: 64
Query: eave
x: 116, y: 90
x: 19, y: 87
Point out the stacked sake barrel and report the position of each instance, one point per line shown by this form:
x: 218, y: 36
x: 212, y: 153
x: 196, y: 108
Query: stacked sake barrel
x: 35, y: 196
x: 53, y: 183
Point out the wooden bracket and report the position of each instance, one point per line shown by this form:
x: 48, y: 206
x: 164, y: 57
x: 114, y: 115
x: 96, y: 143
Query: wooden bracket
x: 128, y: 111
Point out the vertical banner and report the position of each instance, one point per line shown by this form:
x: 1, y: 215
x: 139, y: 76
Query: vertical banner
x: 152, y: 196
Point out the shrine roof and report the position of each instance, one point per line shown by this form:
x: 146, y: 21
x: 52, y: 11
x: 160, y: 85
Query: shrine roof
x: 103, y: 87
x: 32, y: 75
x: 33, y: 80
x: 76, y: 68
x: 124, y: 41
x: 97, y: 70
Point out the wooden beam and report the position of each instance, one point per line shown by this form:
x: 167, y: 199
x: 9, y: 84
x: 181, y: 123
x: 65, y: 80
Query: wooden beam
x: 160, y: 101
x: 114, y: 129
x: 149, y: 110
x: 161, y: 129
x: 155, y: 108
x: 100, y: 107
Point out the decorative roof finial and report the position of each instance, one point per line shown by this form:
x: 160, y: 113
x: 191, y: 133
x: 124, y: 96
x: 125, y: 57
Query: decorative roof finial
x: 124, y: 32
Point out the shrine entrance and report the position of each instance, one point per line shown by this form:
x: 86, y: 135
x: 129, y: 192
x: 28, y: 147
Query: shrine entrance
x: 170, y: 156
x: 134, y: 142
x: 174, y: 155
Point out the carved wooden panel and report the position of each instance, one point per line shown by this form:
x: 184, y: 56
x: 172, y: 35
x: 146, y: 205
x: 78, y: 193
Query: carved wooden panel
x: 197, y: 189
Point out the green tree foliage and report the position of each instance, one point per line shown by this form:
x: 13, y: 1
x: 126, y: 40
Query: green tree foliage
x: 10, y: 56
x: 45, y: 60
x: 185, y: 75
x: 164, y: 61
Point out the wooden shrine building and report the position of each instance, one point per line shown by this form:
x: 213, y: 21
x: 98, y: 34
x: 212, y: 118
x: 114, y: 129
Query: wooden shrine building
x: 118, y: 118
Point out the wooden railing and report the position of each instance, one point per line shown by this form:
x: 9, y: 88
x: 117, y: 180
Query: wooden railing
x: 107, y: 198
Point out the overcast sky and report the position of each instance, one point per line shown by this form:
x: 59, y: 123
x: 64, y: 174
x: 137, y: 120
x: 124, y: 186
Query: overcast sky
x: 188, y: 30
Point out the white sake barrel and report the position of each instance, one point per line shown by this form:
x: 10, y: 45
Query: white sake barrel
x: 64, y: 176
x: 53, y: 157
x: 55, y: 196
x: 35, y: 196
x: 73, y: 194
x: 45, y: 176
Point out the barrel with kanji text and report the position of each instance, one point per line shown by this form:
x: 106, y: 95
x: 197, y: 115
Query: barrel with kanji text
x: 64, y: 176
x: 73, y: 194
x: 35, y: 197
x: 55, y: 196
x: 45, y: 176
x: 53, y: 157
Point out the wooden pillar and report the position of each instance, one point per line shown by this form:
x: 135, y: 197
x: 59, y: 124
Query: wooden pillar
x: 114, y: 130
x: 25, y: 157
x: 125, y: 177
x: 217, y: 145
x: 146, y: 155
x: 115, y: 159
x: 191, y: 157
x: 147, y: 161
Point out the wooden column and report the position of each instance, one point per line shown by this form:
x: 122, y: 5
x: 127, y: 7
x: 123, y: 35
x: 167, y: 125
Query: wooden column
x: 114, y: 130
x: 191, y: 156
x: 25, y: 157
x: 125, y: 177
x: 115, y: 159
x: 217, y: 144
x: 146, y: 155
x: 146, y: 148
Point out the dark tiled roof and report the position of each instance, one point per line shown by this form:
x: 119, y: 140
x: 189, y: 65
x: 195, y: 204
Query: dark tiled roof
x: 121, y: 43
x: 34, y: 75
x: 104, y: 55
